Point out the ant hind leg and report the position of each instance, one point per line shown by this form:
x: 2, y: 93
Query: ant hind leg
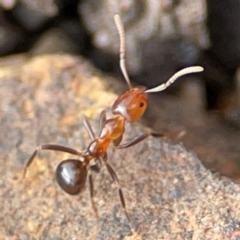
x: 91, y: 188
x: 120, y: 193
x: 49, y: 147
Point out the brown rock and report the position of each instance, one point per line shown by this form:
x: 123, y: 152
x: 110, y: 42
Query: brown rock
x: 169, y: 194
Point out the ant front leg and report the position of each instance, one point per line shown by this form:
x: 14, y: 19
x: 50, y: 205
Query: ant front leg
x: 139, y: 139
x: 49, y: 147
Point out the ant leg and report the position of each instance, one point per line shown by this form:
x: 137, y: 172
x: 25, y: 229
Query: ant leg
x: 88, y: 127
x: 154, y: 134
x: 117, y: 141
x: 120, y: 192
x: 103, y: 118
x: 93, y: 168
x: 92, y: 193
x: 49, y: 147
x: 139, y: 139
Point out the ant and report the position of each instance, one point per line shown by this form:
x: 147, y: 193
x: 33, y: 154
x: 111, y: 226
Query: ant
x: 71, y: 174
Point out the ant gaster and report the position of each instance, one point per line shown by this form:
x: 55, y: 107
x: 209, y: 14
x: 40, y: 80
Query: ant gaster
x: 71, y: 174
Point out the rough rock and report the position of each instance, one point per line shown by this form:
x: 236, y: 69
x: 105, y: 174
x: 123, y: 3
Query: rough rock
x: 169, y: 194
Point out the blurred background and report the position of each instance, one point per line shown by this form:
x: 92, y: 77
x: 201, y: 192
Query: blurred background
x: 162, y: 36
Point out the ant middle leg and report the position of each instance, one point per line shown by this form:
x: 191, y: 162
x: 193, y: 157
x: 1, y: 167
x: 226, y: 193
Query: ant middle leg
x: 88, y: 125
x: 102, y: 119
x: 49, y: 147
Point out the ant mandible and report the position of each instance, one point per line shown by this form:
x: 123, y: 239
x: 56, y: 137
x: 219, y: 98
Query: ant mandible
x: 71, y: 174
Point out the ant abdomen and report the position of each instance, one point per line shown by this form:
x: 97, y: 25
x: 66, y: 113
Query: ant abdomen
x: 71, y: 176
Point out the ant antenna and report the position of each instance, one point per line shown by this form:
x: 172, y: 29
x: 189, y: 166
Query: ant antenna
x: 121, y: 33
x: 172, y: 79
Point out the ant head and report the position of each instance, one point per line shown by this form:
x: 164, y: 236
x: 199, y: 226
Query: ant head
x: 131, y: 105
x: 71, y: 176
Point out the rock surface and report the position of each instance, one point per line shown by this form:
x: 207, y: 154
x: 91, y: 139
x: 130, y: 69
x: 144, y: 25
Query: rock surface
x: 169, y: 194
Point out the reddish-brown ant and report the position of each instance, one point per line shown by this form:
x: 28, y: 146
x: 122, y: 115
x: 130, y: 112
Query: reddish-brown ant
x: 71, y: 174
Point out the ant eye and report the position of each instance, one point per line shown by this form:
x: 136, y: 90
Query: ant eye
x: 141, y: 104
